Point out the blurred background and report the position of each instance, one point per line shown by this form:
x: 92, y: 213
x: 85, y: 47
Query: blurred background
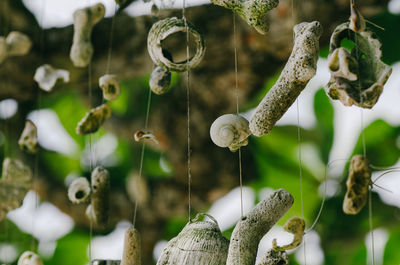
x: 329, y: 133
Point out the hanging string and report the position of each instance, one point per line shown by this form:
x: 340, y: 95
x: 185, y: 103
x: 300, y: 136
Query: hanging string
x: 371, y: 224
x: 111, y: 39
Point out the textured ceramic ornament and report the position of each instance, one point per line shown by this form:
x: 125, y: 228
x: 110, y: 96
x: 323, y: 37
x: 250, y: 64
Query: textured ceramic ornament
x: 295, y: 226
x: 230, y: 130
x: 357, y: 184
x: 110, y: 86
x: 105, y: 262
x: 164, y: 28
x: 84, y: 20
x: 79, y: 191
x: 199, y: 243
x: 132, y: 248
x: 100, y: 195
x: 299, y: 69
x: 254, y: 12
x: 273, y: 257
x: 29, y: 258
x: 362, y: 74
x: 160, y: 80
x: 15, y: 182
x: 28, y: 141
x: 93, y: 119
x: 46, y: 76
x: 16, y: 44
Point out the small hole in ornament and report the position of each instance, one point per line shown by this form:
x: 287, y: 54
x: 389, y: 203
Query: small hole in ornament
x: 176, y: 45
x: 79, y: 194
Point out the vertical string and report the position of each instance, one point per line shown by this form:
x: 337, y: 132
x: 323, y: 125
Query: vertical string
x: 111, y: 39
x: 371, y: 228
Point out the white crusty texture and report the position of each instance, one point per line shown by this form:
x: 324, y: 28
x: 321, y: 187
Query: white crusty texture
x: 249, y: 231
x: 84, y: 20
x: 46, y: 76
x: 16, y: 44
x: 100, y: 195
x: 254, y: 12
x: 230, y: 130
x: 105, y: 262
x: 93, y: 119
x: 273, y: 257
x: 342, y: 64
x: 28, y: 141
x: 295, y: 226
x: 110, y: 86
x: 160, y: 80
x: 164, y: 28
x: 79, y: 191
x: 29, y: 258
x: 15, y: 182
x: 132, y: 248
x: 299, y: 69
x: 199, y: 243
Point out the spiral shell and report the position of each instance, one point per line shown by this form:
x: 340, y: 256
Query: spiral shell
x: 46, y: 76
x: 199, y: 243
x: 230, y: 130
x: 93, y: 119
x: 160, y: 31
x: 28, y: 141
x: 160, y: 80
x: 79, y: 191
x: 29, y: 258
x: 110, y: 86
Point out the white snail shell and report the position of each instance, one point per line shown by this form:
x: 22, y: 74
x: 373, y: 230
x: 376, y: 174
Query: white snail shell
x: 79, y: 190
x: 110, y: 86
x: 230, y: 130
x: 29, y: 258
x: 46, y: 76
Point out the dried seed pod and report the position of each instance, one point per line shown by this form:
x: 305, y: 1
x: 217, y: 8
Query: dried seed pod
x: 93, y: 119
x: 357, y: 21
x: 365, y: 59
x: 230, y: 130
x: 160, y: 31
x: 254, y: 12
x: 28, y: 141
x: 84, y: 20
x: 29, y: 258
x: 46, y: 76
x: 15, y: 182
x: 100, y: 195
x: 16, y: 44
x: 105, y: 262
x: 160, y: 80
x: 249, y: 231
x: 357, y: 185
x: 110, y: 86
x: 140, y: 135
x: 199, y: 243
x: 132, y: 248
x: 273, y: 257
x: 299, y: 69
x: 295, y: 226
x: 79, y: 191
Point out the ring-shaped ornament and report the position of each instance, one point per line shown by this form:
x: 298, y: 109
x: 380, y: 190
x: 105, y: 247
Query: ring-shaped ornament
x: 160, y: 31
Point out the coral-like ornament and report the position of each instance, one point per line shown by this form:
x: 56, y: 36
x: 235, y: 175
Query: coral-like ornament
x: 110, y: 86
x: 46, y: 76
x: 29, y: 258
x: 16, y: 44
x: 358, y: 76
x: 84, y: 21
x: 28, y: 141
x: 79, y: 190
x: 230, y: 130
x: 131, y: 254
x: 93, y: 119
x: 100, y: 195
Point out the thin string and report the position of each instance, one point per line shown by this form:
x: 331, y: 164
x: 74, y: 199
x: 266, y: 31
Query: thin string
x: 146, y: 125
x: 371, y: 224
x: 111, y: 39
x: 364, y: 148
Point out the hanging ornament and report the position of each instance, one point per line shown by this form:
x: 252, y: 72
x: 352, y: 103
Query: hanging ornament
x: 46, y: 76
x: 164, y: 28
x: 29, y: 258
x: 273, y: 257
x: 15, y: 182
x: 84, y: 21
x: 79, y: 191
x: 357, y: 184
x: 28, y: 141
x: 141, y: 135
x: 132, y: 248
x: 93, y: 119
x: 299, y: 69
x: 254, y: 12
x: 160, y: 80
x: 295, y: 226
x: 16, y: 44
x: 230, y: 130
x: 358, y: 75
x: 110, y: 86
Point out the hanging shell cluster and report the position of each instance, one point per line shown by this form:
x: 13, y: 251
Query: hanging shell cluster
x: 16, y: 44
x: 28, y: 141
x: 230, y: 130
x: 84, y: 21
x: 357, y: 184
x: 110, y: 86
x: 29, y: 258
x: 47, y: 76
x: 15, y: 182
x: 254, y: 12
x: 93, y: 119
x: 358, y: 75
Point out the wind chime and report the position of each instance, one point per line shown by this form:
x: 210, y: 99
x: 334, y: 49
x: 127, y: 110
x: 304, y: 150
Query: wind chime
x: 357, y: 78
